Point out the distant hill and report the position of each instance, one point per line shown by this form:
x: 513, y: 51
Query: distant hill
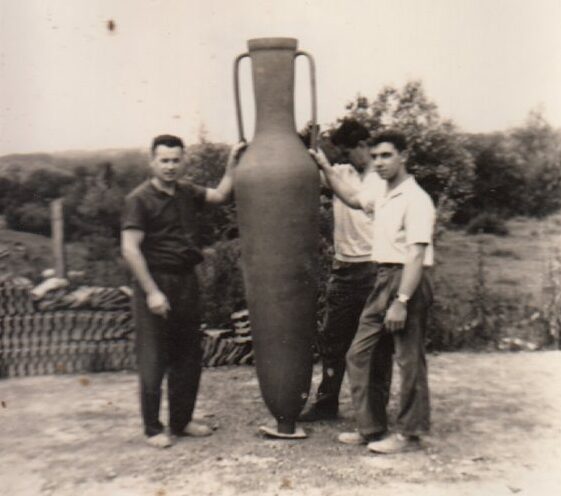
x: 23, y: 163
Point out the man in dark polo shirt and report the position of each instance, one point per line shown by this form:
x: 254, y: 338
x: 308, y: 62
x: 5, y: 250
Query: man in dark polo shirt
x: 159, y: 244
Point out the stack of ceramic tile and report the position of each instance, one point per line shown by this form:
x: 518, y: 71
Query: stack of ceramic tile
x: 229, y: 346
x: 39, y: 337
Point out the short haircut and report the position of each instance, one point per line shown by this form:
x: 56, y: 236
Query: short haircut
x: 396, y: 138
x: 168, y: 140
x: 349, y: 133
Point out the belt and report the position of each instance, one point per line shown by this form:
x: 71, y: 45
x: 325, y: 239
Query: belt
x: 389, y: 265
x: 339, y: 264
x: 172, y: 272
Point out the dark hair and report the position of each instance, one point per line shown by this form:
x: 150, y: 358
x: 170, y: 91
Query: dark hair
x: 167, y: 140
x: 396, y: 138
x: 349, y: 133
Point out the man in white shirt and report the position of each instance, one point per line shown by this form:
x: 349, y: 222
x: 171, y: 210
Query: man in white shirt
x: 404, y: 217
x: 351, y: 279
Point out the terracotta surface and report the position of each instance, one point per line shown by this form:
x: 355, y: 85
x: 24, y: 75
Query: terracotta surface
x: 277, y: 197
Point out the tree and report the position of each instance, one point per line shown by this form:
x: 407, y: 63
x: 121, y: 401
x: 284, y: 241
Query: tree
x: 6, y: 187
x: 438, y: 155
x: 497, y: 182
x: 32, y: 216
x: 47, y: 183
x: 518, y: 171
x: 535, y: 150
x: 26, y: 204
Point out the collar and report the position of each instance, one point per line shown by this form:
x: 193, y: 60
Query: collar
x: 400, y: 189
x: 159, y: 191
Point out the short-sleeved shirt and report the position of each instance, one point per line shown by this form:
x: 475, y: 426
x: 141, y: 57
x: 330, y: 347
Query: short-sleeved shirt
x: 169, y: 224
x: 403, y: 216
x: 352, y: 228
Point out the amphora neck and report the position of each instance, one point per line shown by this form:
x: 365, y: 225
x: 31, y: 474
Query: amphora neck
x: 273, y: 82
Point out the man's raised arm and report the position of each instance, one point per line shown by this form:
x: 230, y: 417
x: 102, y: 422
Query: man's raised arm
x: 348, y: 193
x: 223, y: 192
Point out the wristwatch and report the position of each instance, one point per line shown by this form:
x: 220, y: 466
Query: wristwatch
x: 402, y: 298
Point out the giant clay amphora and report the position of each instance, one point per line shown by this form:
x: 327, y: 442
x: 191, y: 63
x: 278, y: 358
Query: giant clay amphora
x: 277, y: 198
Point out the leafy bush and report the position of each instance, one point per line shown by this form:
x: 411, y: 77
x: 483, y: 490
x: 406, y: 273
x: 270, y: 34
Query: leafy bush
x: 205, y: 166
x: 517, y: 172
x: 47, y: 184
x: 27, y: 195
x: 33, y: 217
x: 104, y: 267
x: 497, y: 182
x: 222, y: 290
x: 7, y: 186
x: 488, y: 223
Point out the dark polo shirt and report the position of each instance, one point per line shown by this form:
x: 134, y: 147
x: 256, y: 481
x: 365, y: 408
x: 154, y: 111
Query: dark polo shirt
x: 169, y: 223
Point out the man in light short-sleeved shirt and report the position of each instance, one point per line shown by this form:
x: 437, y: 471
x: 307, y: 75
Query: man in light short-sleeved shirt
x: 404, y: 217
x: 351, y: 278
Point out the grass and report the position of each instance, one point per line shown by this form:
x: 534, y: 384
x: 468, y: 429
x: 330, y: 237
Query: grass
x: 26, y: 254
x: 29, y: 254
x: 492, y: 287
x: 515, y: 265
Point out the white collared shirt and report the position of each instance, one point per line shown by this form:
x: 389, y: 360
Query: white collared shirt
x: 403, y: 216
x: 352, y: 228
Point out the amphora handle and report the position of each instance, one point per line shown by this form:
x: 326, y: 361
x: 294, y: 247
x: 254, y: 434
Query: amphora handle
x: 314, y: 127
x: 239, y: 117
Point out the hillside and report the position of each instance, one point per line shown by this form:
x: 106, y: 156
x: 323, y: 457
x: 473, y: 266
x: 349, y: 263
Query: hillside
x: 26, y: 254
x: 71, y: 159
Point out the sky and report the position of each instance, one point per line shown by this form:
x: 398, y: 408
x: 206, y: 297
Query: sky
x: 68, y: 82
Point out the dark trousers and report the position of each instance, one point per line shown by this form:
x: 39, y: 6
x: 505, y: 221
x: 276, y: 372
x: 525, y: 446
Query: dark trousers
x: 348, y: 288
x: 368, y: 398
x: 171, y: 345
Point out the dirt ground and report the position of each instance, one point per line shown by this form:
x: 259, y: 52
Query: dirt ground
x: 496, y: 431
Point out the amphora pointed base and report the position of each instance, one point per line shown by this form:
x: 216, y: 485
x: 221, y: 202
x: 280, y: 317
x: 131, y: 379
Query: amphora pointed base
x: 278, y: 432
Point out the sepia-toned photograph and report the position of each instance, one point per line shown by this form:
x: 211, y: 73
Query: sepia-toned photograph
x: 280, y: 248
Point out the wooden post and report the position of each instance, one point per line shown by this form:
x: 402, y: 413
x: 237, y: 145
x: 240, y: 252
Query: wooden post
x: 57, y: 233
